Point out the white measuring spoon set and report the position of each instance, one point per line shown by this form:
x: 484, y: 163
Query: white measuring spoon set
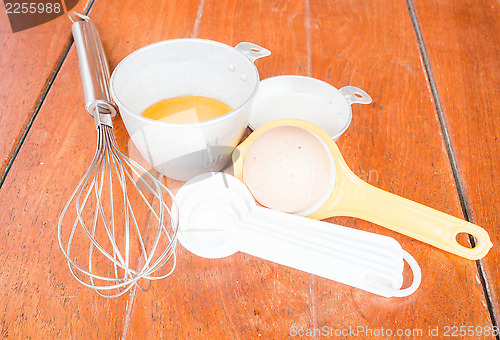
x: 218, y: 217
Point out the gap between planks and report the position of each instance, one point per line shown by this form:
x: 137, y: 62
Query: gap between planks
x: 466, y: 209
x: 133, y: 292
x: 38, y: 106
x: 460, y: 189
x: 307, y: 25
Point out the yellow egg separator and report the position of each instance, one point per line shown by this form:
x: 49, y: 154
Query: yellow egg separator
x: 353, y: 197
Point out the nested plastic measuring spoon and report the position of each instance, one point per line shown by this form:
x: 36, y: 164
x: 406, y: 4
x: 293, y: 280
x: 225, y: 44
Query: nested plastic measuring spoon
x: 350, y: 196
x: 218, y: 217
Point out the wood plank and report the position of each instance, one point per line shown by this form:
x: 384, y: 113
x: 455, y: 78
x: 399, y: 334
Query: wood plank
x: 28, y: 61
x: 463, y: 46
x: 210, y: 313
x: 238, y: 297
x: 39, y: 297
x: 396, y: 144
x: 277, y: 25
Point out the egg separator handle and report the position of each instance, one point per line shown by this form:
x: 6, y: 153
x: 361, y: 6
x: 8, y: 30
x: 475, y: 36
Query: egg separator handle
x: 357, y: 258
x: 357, y: 198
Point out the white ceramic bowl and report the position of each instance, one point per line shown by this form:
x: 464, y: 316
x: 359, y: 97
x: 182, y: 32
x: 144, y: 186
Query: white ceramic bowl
x: 306, y: 98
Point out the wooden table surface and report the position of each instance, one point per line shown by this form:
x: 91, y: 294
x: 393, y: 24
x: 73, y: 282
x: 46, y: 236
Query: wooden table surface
x: 430, y: 135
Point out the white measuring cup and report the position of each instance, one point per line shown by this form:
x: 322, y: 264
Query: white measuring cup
x: 180, y: 67
x: 218, y: 217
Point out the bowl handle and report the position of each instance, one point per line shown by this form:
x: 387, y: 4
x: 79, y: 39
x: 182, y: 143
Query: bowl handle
x: 355, y: 95
x: 252, y: 51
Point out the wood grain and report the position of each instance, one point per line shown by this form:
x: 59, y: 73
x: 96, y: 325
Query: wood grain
x: 28, y: 60
x: 39, y: 298
x: 396, y: 144
x: 463, y: 47
x: 336, y: 58
x: 239, y: 297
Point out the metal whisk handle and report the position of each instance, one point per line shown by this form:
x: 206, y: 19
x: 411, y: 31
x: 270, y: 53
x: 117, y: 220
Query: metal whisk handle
x: 94, y: 71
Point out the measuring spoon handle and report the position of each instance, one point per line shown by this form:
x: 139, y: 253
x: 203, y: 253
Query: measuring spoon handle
x: 357, y: 258
x: 362, y: 200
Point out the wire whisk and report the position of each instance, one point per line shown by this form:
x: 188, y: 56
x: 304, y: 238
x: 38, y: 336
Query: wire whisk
x: 117, y: 227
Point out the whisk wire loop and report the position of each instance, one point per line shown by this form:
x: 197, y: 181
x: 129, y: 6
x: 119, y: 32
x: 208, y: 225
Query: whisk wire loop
x: 117, y: 227
x: 110, y: 166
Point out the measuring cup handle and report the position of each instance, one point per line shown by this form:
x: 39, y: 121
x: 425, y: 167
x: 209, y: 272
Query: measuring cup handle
x: 355, y: 95
x: 360, y: 259
x: 417, y: 276
x: 252, y: 51
x: 418, y: 221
